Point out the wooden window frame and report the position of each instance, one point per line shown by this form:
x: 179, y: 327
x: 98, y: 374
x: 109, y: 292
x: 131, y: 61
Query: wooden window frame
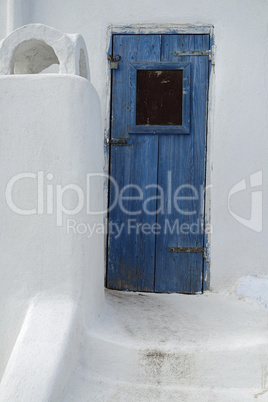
x: 163, y: 129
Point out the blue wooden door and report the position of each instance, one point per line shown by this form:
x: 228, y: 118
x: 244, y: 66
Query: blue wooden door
x: 157, y: 163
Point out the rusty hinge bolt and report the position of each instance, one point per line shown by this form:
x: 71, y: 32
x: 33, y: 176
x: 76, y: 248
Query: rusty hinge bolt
x: 188, y: 250
x: 119, y: 141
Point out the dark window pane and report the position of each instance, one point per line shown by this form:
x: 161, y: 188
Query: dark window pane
x: 159, y: 97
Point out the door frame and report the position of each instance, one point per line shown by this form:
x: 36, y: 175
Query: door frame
x: 176, y: 30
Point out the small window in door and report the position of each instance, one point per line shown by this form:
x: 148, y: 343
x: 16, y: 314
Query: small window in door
x: 159, y: 97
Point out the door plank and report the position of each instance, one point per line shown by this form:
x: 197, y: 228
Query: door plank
x: 132, y: 254
x: 182, y: 162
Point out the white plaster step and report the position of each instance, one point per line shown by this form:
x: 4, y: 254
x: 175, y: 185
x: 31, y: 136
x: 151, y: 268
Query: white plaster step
x: 92, y: 389
x: 188, y: 344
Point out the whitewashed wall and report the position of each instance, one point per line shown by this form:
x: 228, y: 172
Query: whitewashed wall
x: 239, y: 141
x: 51, y: 281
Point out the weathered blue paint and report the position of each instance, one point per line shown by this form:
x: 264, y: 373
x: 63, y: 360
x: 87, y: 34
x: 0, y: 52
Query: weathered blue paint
x: 186, y: 162
x: 174, y: 29
x: 139, y: 259
x: 131, y: 256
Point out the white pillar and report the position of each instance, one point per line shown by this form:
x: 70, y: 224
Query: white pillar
x: 18, y: 14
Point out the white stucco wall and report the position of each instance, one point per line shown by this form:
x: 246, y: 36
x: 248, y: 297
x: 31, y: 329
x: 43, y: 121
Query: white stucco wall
x: 50, y: 124
x: 239, y: 143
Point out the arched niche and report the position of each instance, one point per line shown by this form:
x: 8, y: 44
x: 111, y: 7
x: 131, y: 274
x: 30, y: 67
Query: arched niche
x: 33, y: 48
x: 32, y: 56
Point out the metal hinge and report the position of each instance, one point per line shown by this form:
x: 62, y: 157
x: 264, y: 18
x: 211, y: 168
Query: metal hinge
x: 119, y: 141
x: 209, y: 53
x: 188, y: 250
x: 194, y: 53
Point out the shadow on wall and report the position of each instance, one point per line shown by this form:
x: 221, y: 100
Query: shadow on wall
x: 32, y: 57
